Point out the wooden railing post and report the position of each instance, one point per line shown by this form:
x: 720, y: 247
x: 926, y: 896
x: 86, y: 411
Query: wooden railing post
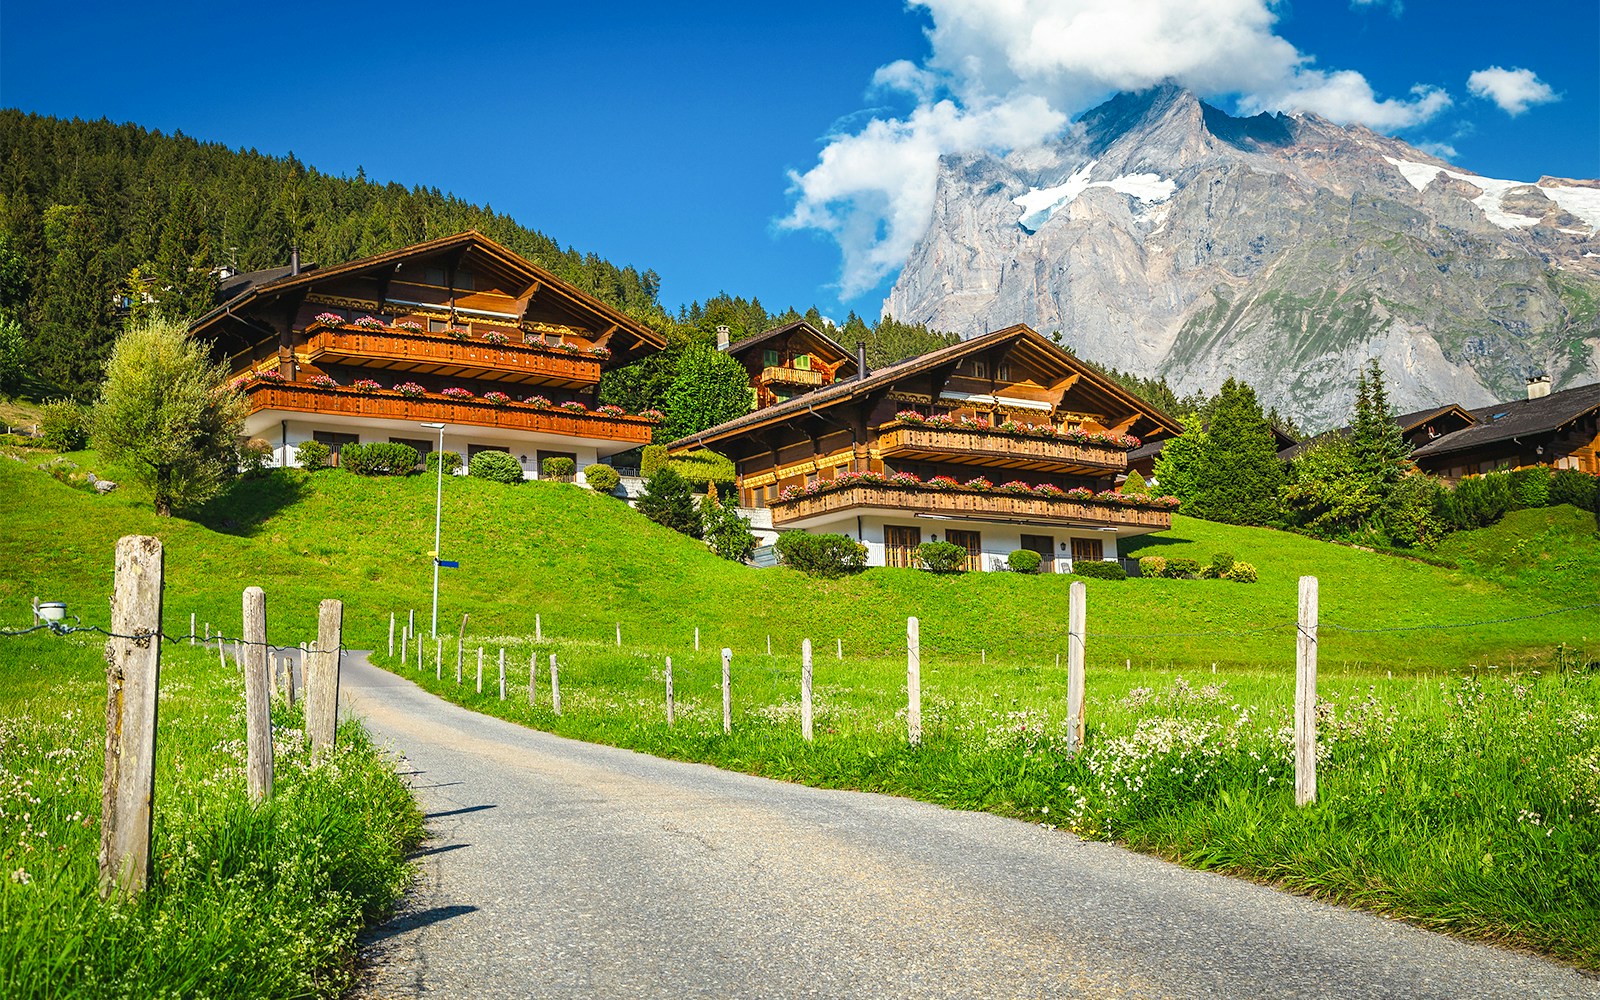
x: 133, y: 676
x: 322, y: 679
x: 1305, y: 696
x: 913, y: 681
x: 257, y: 697
x: 1077, y: 613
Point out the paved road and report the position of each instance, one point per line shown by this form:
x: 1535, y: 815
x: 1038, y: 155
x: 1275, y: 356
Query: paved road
x: 562, y: 869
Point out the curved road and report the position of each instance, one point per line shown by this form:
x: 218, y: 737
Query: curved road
x: 563, y: 869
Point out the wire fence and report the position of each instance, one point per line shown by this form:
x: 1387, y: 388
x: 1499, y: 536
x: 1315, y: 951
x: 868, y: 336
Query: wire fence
x: 59, y: 628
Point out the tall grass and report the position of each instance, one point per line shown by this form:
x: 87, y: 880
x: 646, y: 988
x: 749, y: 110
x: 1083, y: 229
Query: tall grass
x: 246, y: 901
x: 1465, y: 801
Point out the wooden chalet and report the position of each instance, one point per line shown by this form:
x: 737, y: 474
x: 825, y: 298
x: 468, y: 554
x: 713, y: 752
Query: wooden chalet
x: 1416, y: 428
x: 1559, y: 429
x: 458, y: 330
x: 788, y: 360
x: 998, y: 443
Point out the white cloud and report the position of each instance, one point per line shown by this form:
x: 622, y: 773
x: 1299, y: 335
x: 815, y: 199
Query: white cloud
x: 1004, y: 74
x: 1396, y: 7
x: 1515, y: 90
x: 1443, y: 150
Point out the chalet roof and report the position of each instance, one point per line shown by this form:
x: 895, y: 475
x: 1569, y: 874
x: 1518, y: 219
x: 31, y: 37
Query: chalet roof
x: 242, y: 282
x: 1518, y: 418
x: 841, y: 392
x: 740, y: 346
x: 260, y: 285
x: 1411, y: 421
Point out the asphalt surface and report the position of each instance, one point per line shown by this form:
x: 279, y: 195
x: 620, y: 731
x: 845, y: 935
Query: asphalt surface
x: 564, y: 869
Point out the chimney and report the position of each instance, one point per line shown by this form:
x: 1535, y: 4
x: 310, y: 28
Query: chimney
x: 294, y: 260
x: 861, y: 360
x: 1538, y: 386
x: 722, y: 336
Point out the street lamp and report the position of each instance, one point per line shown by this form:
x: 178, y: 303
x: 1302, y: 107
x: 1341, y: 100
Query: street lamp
x: 438, y: 507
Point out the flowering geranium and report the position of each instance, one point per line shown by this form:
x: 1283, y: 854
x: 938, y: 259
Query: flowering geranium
x: 496, y: 397
x: 910, y: 417
x: 903, y: 479
x: 323, y: 381
x: 409, y: 325
x: 573, y: 406
x: 942, y: 483
x: 459, y: 332
x: 368, y: 323
x: 496, y: 338
x: 411, y: 389
x: 1016, y: 486
x: 456, y: 392
x: 366, y: 385
x: 979, y: 483
x: 328, y: 319
x: 566, y: 348
x: 599, y: 352
x: 655, y: 415
x: 611, y: 410
x: 1080, y: 493
x: 1049, y: 490
x: 790, y: 493
x: 270, y: 375
x: 537, y: 402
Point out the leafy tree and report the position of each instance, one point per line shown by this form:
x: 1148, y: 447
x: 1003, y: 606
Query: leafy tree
x: 1135, y: 485
x: 1325, y: 494
x: 726, y: 531
x: 168, y: 414
x: 643, y: 385
x: 1239, y: 474
x: 1179, y: 462
x: 13, y: 356
x: 710, y: 388
x: 668, y: 501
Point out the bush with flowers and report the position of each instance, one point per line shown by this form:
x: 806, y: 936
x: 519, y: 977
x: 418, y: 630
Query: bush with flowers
x: 456, y: 392
x: 410, y: 389
x: 496, y: 338
x: 328, y: 319
x: 495, y: 397
x: 942, y: 483
x: 537, y: 402
x: 322, y: 381
x: 611, y: 410
x: 366, y: 385
x: 409, y: 326
x: 573, y: 406
x: 270, y: 375
x: 655, y: 415
x: 1016, y: 486
x: 368, y: 323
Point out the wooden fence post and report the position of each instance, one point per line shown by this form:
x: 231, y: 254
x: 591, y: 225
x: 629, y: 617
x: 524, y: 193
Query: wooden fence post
x: 1077, y: 612
x: 670, y: 710
x: 133, y: 676
x: 480, y: 670
x: 460, y: 637
x: 838, y: 650
x: 36, y: 611
x: 391, y: 633
x: 914, y: 680
x: 419, y: 654
x: 619, y: 635
x: 697, y: 638
x: 222, y: 652
x: 1305, y: 696
x: 727, y: 690
x: 538, y: 629
x: 322, y: 679
x: 257, y: 697
x: 502, y: 675
x: 411, y: 624
x: 403, y: 638
x: 533, y: 679
x: 555, y: 686
x: 191, y: 627
x: 769, y: 643
x: 805, y: 690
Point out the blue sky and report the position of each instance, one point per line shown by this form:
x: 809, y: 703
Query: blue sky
x: 670, y: 137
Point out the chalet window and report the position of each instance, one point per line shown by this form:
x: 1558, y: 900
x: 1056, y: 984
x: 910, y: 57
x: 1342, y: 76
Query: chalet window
x: 1087, y: 550
x: 769, y: 357
x: 972, y: 541
x: 803, y: 362
x: 980, y: 369
x: 1005, y: 373
x: 437, y: 326
x: 900, y: 546
x: 552, y: 339
x: 437, y: 276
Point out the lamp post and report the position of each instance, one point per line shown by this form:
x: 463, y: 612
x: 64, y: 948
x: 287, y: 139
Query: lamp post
x: 438, y: 508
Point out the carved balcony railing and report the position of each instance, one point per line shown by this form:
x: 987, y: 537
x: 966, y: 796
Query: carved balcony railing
x: 1008, y: 451
x: 783, y: 375
x: 989, y: 505
x: 435, y: 354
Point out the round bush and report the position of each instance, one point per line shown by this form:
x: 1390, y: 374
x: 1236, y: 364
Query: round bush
x: 1575, y: 487
x: 64, y: 425
x: 557, y: 468
x: 312, y: 455
x: 451, y: 459
x: 1153, y: 566
x: 495, y: 466
x: 942, y: 557
x: 821, y: 555
x: 601, y: 478
x: 1096, y: 570
x: 380, y: 458
x: 1241, y: 572
x: 1024, y: 561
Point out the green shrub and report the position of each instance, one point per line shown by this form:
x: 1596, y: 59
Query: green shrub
x: 312, y: 455
x: 1530, y: 487
x: 1182, y: 569
x: 1221, y: 562
x: 253, y: 456
x: 1241, y: 572
x: 1153, y: 566
x: 652, y: 458
x: 1024, y: 561
x: 380, y: 458
x: 451, y: 459
x: 1135, y: 484
x: 558, y: 468
x: 1573, y: 487
x: 601, y: 478
x: 1418, y: 513
x: 942, y: 557
x: 64, y: 425
x: 727, y: 533
x: 668, y: 501
x: 821, y: 555
x: 495, y: 466
x: 705, y: 470
x: 1479, y: 501
x: 1096, y: 569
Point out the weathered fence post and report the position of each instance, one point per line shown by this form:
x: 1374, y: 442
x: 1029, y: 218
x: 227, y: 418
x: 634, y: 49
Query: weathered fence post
x: 619, y: 635
x: 460, y: 637
x: 697, y: 638
x: 555, y: 685
x: 208, y: 631
x: 538, y: 629
x: 257, y: 697
x: 913, y: 681
x: 322, y: 679
x: 1305, y: 696
x: 727, y: 690
x: 670, y: 710
x: 480, y: 670
x: 419, y: 654
x: 36, y: 612
x: 769, y: 643
x: 1077, y: 613
x: 533, y: 678
x: 191, y: 626
x: 838, y: 650
x: 133, y: 675
x: 391, y: 633
x: 403, y: 638
x: 222, y: 652
x: 411, y: 624
x: 502, y: 675
x: 805, y: 690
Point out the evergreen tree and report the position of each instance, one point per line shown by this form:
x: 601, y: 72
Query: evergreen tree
x: 1179, y: 463
x: 726, y: 531
x: 1239, y: 474
x: 1378, y: 449
x: 709, y: 388
x: 668, y: 501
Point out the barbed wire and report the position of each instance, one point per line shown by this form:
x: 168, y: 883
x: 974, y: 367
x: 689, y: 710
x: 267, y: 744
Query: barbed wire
x: 1490, y: 621
x: 57, y: 628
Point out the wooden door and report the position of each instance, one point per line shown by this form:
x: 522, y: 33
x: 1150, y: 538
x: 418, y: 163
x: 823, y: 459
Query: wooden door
x: 1087, y: 550
x: 900, y: 546
x: 972, y: 542
x: 1045, y: 545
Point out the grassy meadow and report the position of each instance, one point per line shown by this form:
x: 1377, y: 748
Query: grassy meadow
x: 1460, y: 781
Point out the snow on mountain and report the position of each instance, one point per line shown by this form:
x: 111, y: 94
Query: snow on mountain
x: 1040, y: 204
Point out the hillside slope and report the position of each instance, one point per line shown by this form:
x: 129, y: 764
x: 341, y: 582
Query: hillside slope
x: 586, y: 563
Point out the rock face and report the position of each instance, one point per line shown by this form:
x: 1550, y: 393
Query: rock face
x: 1165, y: 237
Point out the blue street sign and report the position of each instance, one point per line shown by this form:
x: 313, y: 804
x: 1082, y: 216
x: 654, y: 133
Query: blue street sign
x: 448, y: 563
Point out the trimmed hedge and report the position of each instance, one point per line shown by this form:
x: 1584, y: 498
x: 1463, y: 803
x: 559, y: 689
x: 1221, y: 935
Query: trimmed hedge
x: 942, y: 557
x: 451, y: 459
x: 1574, y: 487
x: 1099, y: 570
x: 821, y: 555
x: 495, y: 466
x: 380, y: 458
x: 1024, y: 561
x: 312, y: 455
x: 557, y: 468
x: 602, y: 478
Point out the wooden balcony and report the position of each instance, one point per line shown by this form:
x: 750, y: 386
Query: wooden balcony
x: 438, y: 354
x: 1001, y: 451
x: 298, y: 397
x: 782, y: 375
x: 975, y: 506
